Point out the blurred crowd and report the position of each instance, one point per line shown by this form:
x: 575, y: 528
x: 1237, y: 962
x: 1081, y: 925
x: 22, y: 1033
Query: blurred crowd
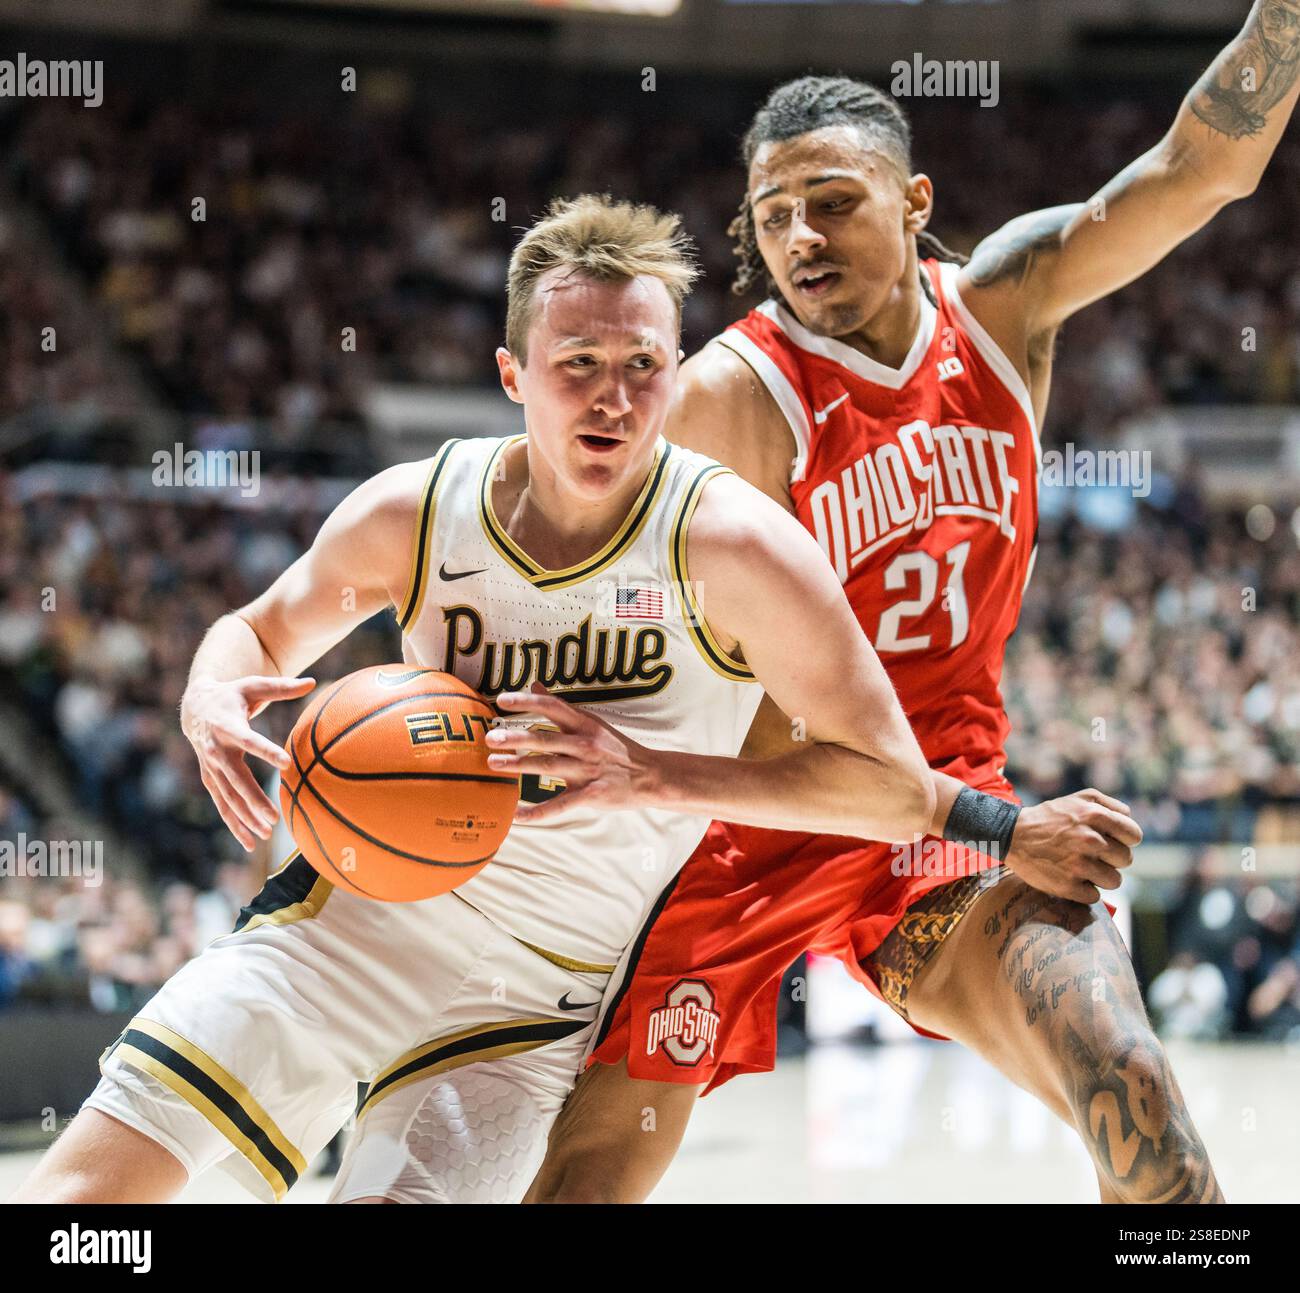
x: 67, y: 377
x: 268, y: 253
x: 232, y: 237
x: 1161, y: 663
x: 100, y: 670
x: 109, y: 945
x: 1234, y: 964
x: 102, y: 605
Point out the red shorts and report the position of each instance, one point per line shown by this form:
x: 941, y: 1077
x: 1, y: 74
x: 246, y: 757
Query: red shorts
x: 698, y: 1000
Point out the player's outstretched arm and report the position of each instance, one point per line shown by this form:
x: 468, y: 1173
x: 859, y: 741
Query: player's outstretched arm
x: 770, y: 598
x: 251, y: 657
x: 1031, y: 275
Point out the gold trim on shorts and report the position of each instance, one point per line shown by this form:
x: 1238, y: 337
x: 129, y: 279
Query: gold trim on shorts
x: 568, y: 962
x: 909, y: 946
x: 219, y: 1096
x: 469, y: 1046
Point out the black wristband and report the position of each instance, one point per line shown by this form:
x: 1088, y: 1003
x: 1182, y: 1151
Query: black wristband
x: 982, y: 822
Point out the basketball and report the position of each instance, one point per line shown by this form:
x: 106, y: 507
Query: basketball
x: 389, y: 794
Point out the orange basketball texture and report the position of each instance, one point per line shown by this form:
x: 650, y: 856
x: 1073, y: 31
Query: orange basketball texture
x: 389, y: 793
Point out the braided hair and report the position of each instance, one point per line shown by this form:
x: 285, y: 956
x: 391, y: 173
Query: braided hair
x: 811, y: 103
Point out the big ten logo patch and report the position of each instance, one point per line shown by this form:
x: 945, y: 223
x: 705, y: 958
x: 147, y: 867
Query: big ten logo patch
x: 439, y: 725
x: 686, y: 1025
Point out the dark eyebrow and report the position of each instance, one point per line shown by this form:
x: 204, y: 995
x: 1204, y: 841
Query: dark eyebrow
x: 774, y: 189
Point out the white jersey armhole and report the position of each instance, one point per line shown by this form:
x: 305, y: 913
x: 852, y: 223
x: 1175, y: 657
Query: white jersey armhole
x: 408, y: 610
x: 991, y: 353
x: 727, y: 666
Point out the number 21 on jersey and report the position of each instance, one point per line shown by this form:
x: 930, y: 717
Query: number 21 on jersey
x: 921, y: 566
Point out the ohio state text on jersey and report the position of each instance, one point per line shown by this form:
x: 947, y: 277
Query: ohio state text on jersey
x: 921, y: 485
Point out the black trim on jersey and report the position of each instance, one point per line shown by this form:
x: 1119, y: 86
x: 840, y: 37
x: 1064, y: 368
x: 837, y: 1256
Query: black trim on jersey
x: 420, y: 573
x: 597, y: 695
x: 290, y: 884
x: 655, y: 912
x: 691, y: 612
x: 548, y: 1032
x: 540, y: 577
x: 219, y: 1096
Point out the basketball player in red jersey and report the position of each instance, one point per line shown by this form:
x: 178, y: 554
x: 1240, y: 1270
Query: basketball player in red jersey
x: 889, y: 394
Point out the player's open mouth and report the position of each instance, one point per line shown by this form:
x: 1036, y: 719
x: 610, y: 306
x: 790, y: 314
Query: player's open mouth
x: 818, y: 284
x: 600, y: 443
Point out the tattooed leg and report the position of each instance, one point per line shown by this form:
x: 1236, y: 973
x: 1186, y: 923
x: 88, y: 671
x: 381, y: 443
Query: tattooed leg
x: 1044, y: 990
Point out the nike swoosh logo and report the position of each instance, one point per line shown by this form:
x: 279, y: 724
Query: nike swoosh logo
x: 443, y: 572
x: 398, y: 679
x: 820, y: 415
x: 565, y: 1004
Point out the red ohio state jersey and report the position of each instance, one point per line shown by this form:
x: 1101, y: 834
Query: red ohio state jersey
x: 921, y: 485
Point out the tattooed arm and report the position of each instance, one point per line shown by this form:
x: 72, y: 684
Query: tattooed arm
x: 1030, y: 276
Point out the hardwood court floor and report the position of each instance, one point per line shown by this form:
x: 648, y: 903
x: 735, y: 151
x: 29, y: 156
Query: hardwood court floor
x: 916, y: 1121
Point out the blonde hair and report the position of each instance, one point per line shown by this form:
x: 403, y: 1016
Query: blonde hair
x: 606, y: 240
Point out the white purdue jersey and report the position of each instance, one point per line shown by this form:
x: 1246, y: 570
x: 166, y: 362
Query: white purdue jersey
x: 620, y: 634
x: 466, y: 1016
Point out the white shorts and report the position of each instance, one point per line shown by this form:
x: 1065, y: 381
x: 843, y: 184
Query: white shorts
x: 251, y: 1056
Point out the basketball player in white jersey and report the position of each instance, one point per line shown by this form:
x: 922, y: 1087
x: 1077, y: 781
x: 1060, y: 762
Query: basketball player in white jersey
x: 635, y: 580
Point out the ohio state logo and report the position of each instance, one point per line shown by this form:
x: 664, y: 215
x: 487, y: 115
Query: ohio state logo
x: 686, y: 1025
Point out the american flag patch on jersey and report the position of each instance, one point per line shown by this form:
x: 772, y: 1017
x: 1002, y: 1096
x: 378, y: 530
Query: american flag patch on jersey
x: 638, y: 603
